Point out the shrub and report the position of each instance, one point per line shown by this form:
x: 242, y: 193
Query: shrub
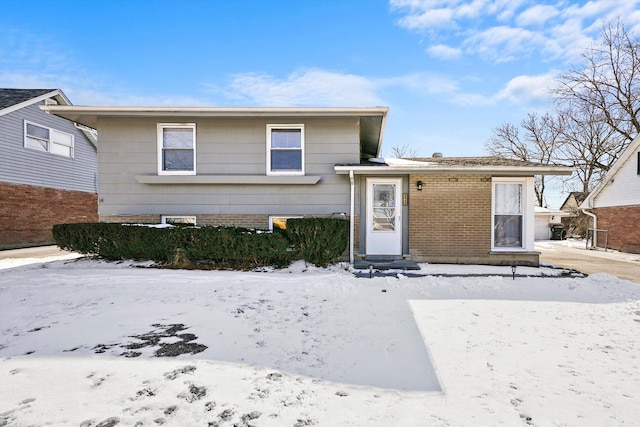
x: 319, y: 241
x: 316, y: 240
x: 231, y: 246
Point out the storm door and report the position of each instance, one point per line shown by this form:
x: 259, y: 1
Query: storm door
x: 384, y: 216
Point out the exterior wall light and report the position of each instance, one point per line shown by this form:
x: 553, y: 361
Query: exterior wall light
x: 419, y: 184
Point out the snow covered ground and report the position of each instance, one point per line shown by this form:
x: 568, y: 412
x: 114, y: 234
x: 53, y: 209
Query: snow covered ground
x: 81, y: 343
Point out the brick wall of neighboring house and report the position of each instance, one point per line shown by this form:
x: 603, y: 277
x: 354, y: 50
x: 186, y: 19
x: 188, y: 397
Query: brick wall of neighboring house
x: 28, y: 213
x: 623, y: 224
x: 450, y: 221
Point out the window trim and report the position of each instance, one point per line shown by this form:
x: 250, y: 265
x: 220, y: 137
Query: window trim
x: 165, y: 217
x: 272, y: 217
x: 526, y: 207
x: 160, y: 128
x: 48, y: 141
x: 271, y: 127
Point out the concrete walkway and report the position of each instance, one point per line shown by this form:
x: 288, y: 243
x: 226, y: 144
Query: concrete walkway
x: 573, y: 254
x: 35, y: 252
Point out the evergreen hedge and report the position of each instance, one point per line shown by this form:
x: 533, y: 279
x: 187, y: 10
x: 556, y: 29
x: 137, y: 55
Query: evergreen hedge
x: 316, y: 240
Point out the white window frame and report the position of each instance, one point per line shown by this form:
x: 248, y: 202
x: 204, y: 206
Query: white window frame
x: 49, y: 142
x: 270, y: 128
x: 160, y: 133
x: 287, y: 217
x: 526, y: 207
x: 179, y: 217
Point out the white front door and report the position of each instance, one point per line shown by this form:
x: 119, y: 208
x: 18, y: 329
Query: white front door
x: 384, y: 216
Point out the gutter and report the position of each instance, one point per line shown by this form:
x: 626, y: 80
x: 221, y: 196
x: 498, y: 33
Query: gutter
x: 351, y: 218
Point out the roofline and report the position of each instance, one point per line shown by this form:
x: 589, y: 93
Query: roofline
x: 88, y: 115
x: 588, y: 201
x: 54, y: 92
x: 475, y: 170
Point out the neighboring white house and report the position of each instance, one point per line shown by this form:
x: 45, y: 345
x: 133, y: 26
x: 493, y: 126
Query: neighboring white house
x: 545, y: 219
x: 615, y: 203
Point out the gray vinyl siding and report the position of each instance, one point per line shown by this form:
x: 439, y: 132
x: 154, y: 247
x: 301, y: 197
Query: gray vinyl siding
x: 128, y: 147
x: 22, y: 165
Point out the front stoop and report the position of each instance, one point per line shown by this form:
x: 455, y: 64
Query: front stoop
x: 385, y: 263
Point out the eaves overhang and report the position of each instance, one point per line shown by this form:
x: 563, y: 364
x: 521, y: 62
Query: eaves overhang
x: 88, y: 115
x: 506, y: 171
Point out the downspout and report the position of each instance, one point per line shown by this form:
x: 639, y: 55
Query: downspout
x: 595, y: 225
x: 589, y: 201
x: 351, y: 218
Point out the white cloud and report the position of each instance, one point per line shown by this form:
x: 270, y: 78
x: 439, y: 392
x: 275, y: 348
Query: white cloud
x: 528, y: 89
x: 505, y: 30
x: 536, y: 15
x: 443, y: 51
x: 503, y: 44
x: 317, y: 87
x: 309, y: 87
x: 521, y: 90
x: 428, y: 19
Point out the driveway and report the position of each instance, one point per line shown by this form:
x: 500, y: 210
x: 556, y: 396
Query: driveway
x: 573, y: 254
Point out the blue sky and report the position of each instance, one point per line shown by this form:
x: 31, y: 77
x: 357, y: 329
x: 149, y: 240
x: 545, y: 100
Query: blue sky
x: 450, y: 70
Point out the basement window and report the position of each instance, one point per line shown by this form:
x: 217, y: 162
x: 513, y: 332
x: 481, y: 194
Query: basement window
x: 178, y: 220
x: 279, y: 222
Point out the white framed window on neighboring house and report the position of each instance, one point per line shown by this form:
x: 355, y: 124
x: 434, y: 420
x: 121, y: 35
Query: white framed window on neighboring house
x: 280, y: 222
x: 285, y: 149
x: 510, y: 218
x: 42, y: 138
x: 178, y: 219
x: 176, y: 148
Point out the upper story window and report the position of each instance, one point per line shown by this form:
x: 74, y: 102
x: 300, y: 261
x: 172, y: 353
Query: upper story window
x: 176, y: 149
x: 42, y: 138
x: 508, y: 214
x: 285, y: 149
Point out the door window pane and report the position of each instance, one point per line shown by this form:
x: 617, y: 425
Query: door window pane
x: 384, y: 207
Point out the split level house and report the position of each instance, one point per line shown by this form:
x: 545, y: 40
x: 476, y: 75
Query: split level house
x: 614, y: 204
x: 49, y: 167
x: 257, y: 167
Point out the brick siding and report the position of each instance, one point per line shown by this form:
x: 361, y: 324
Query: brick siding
x: 450, y: 221
x: 623, y: 224
x: 27, y: 213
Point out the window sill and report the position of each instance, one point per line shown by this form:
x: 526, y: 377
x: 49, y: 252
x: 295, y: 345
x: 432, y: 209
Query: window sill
x: 228, y: 179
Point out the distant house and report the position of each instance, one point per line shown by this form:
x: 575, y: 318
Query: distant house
x: 615, y: 203
x: 547, y: 220
x: 48, y: 173
x: 257, y: 167
x: 576, y: 222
